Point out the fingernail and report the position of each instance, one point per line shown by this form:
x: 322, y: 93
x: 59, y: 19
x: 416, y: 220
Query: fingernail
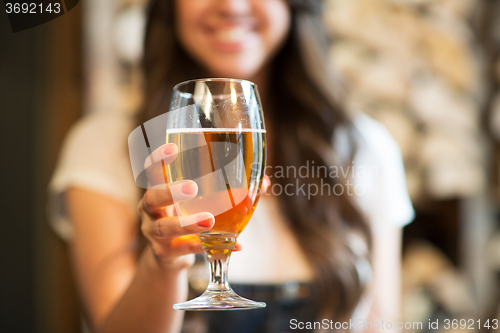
x: 237, y: 247
x: 203, y: 221
x: 267, y: 182
x: 169, y: 149
x: 189, y: 187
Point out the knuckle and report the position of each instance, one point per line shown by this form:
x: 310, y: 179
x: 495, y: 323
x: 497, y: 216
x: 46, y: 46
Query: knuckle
x: 147, y: 200
x: 148, y: 161
x: 140, y: 207
x: 158, y: 250
x: 144, y: 228
x: 161, y: 228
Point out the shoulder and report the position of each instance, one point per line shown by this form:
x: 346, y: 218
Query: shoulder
x: 96, y: 139
x: 380, y: 176
x: 96, y: 144
x: 374, y: 145
x: 375, y: 140
x: 104, y: 127
x: 94, y: 157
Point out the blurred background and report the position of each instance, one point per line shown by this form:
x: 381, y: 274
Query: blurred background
x: 428, y: 69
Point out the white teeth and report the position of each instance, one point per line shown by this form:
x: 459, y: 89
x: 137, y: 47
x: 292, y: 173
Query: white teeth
x: 231, y: 34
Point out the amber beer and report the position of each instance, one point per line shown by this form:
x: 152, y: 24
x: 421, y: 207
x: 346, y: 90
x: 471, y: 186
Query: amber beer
x: 228, y: 166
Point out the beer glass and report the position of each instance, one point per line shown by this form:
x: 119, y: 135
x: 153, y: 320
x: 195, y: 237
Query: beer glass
x: 218, y: 126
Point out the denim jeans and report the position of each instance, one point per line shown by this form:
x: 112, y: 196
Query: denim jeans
x: 283, y: 304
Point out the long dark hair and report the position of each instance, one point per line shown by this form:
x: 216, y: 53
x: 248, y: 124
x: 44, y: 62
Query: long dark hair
x: 305, y: 115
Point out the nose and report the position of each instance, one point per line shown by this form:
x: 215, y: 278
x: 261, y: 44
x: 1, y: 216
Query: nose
x: 234, y: 7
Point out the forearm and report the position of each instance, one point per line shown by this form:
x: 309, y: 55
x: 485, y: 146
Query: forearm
x: 386, y: 287
x: 147, y: 304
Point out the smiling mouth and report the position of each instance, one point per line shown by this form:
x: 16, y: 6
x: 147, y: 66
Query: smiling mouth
x: 232, y: 38
x: 232, y: 35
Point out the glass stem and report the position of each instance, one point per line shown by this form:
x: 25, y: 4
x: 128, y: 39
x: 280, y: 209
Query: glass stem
x: 218, y: 273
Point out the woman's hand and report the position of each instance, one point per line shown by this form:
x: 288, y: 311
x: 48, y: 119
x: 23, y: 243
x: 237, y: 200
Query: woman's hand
x: 173, y: 240
x: 172, y: 237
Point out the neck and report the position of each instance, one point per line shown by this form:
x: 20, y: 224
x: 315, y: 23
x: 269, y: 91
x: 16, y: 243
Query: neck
x: 261, y: 79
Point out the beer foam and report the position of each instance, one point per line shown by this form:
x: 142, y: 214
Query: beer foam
x: 205, y: 130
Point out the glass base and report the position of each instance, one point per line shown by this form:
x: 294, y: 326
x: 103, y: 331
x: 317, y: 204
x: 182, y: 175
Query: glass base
x: 219, y: 300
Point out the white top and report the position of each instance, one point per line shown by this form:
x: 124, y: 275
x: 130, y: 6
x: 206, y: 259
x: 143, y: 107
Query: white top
x: 95, y: 157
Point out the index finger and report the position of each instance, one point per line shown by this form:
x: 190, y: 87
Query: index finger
x: 156, y: 162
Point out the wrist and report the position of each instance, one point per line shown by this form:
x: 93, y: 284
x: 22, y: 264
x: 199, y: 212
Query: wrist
x: 169, y: 267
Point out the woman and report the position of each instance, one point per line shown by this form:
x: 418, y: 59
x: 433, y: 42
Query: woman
x: 321, y: 245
